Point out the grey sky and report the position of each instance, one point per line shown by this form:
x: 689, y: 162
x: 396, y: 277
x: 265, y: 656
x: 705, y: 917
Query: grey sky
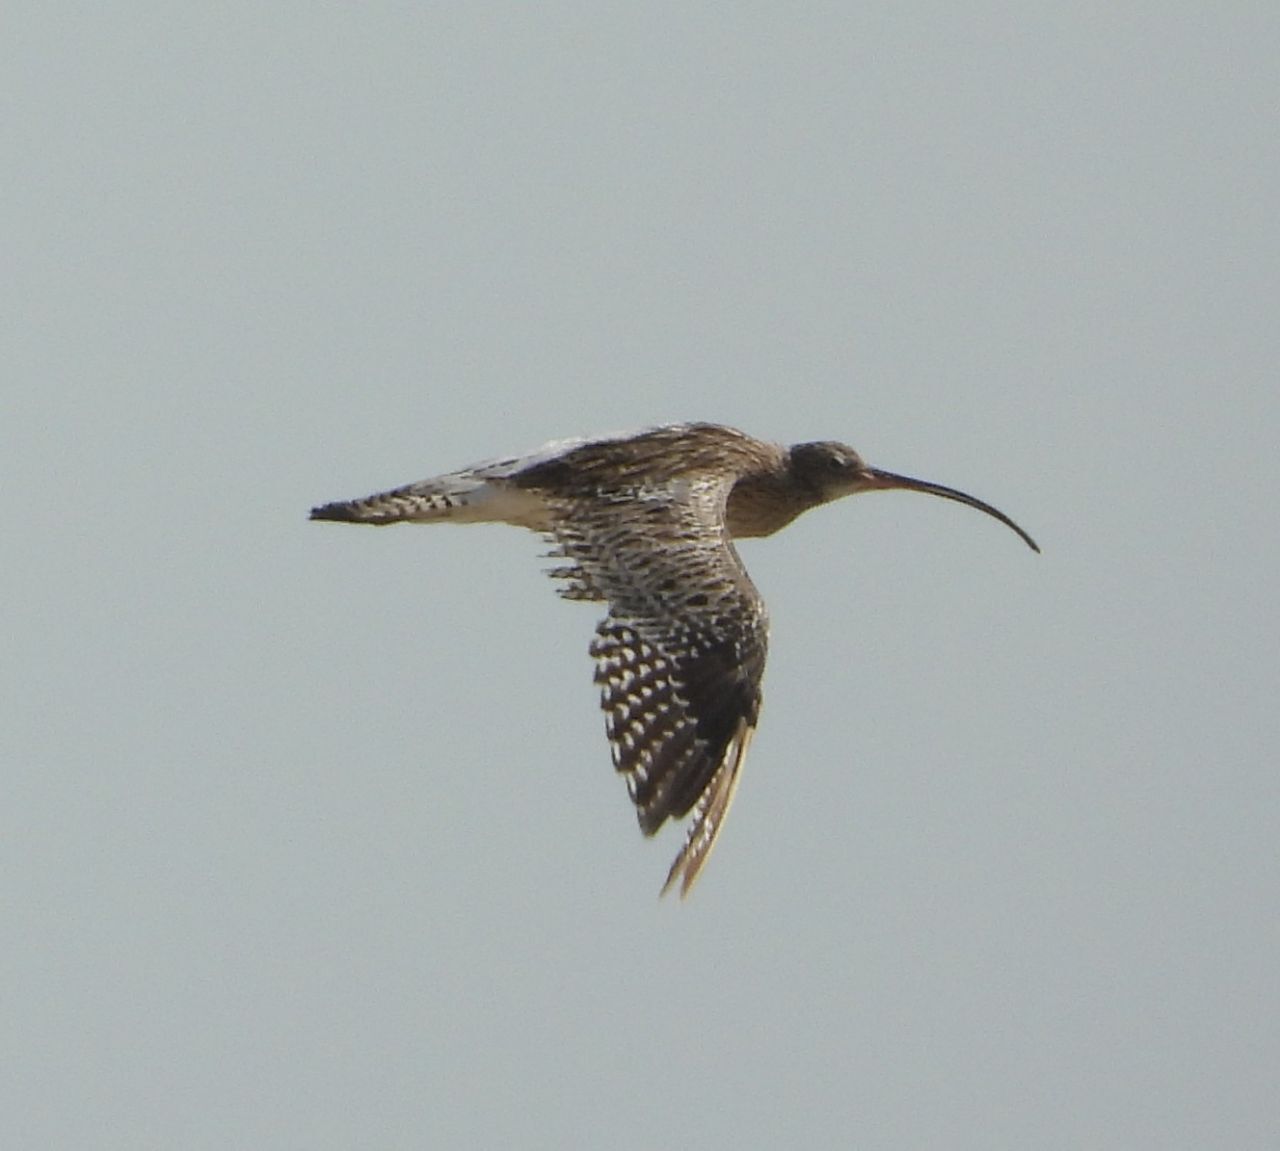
x: 310, y: 837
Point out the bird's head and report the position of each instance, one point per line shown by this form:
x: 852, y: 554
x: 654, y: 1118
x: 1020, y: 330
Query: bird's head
x: 828, y: 470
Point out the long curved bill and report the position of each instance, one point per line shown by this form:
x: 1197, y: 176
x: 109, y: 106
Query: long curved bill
x: 877, y: 480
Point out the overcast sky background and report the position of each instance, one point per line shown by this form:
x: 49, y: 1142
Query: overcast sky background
x: 310, y: 837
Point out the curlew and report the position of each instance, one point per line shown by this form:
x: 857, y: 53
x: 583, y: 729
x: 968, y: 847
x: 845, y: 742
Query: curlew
x: 646, y: 522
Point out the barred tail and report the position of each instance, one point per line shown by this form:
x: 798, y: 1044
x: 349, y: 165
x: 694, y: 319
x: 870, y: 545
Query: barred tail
x: 461, y: 498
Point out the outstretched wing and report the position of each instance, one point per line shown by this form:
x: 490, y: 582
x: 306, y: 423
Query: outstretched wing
x: 680, y: 655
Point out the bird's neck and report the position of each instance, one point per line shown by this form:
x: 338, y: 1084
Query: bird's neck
x: 765, y: 502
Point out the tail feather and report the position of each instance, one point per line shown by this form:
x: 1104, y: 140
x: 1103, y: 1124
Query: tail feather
x: 462, y: 497
x: 339, y: 512
x: 426, y: 501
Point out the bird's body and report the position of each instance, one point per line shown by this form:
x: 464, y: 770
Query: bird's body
x: 645, y: 522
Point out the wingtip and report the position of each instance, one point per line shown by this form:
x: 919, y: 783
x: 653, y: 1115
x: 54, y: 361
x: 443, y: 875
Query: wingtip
x: 679, y: 871
x: 710, y: 814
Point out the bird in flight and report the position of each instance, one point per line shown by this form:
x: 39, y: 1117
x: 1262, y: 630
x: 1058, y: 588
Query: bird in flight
x: 645, y: 522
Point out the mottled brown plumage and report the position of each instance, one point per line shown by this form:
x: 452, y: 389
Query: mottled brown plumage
x: 645, y: 522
